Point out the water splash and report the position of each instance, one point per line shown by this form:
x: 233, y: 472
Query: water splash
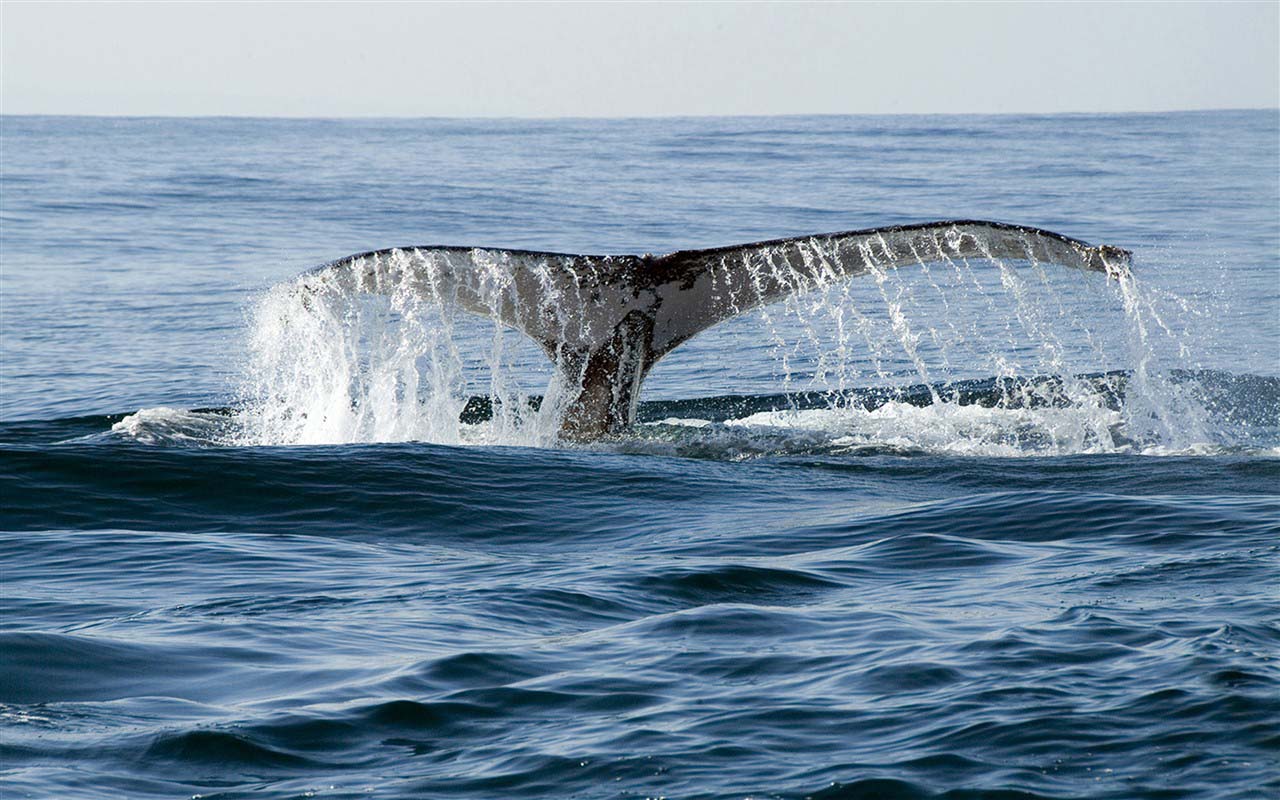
x: 334, y: 362
x: 386, y: 352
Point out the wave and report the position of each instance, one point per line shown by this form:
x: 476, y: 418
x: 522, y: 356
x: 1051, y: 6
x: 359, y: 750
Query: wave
x: 988, y: 645
x: 891, y: 713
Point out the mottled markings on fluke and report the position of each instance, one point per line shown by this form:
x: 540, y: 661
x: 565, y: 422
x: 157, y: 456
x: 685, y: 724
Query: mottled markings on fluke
x: 606, y: 320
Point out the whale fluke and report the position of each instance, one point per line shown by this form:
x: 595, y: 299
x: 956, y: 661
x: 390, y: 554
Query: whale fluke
x: 605, y: 320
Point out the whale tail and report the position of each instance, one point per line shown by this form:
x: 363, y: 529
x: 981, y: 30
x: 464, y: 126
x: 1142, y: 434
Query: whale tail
x: 606, y: 320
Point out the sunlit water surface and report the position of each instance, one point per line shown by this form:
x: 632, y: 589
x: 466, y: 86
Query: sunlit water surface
x: 969, y: 530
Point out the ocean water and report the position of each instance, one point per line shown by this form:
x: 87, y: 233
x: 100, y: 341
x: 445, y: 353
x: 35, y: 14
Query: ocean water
x: 967, y: 530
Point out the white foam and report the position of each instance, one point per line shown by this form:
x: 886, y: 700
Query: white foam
x: 164, y: 425
x: 956, y: 429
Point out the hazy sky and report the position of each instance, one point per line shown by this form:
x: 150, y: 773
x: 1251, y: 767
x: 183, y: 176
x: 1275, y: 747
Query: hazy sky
x: 642, y: 59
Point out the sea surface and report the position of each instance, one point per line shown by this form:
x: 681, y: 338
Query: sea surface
x: 966, y: 530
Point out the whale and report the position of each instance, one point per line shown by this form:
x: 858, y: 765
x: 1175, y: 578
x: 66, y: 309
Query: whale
x: 606, y: 320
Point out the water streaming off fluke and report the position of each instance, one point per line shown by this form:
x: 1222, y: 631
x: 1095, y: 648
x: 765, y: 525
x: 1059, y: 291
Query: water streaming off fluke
x: 383, y: 347
x: 368, y: 349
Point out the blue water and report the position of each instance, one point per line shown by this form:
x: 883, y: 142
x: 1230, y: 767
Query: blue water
x: 804, y: 575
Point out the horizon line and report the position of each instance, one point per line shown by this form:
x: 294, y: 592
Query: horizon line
x: 606, y: 118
